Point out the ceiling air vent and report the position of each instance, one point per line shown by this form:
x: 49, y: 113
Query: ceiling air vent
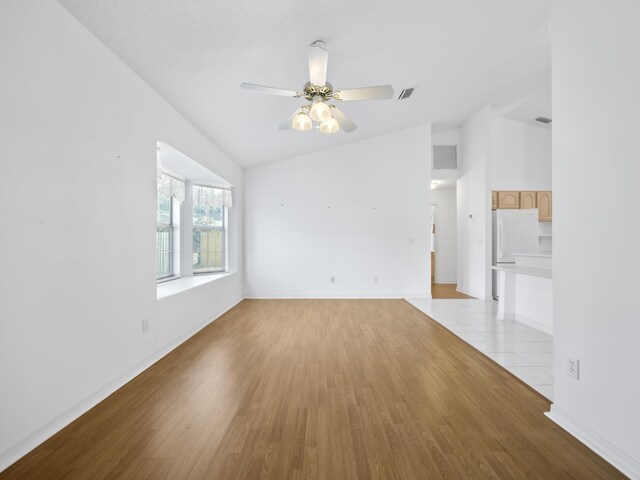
x: 405, y: 93
x: 445, y: 157
x: 543, y: 120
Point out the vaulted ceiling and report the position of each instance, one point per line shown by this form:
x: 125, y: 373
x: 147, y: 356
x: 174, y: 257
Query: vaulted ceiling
x: 459, y: 54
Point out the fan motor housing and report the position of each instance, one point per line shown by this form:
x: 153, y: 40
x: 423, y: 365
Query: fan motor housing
x: 311, y: 91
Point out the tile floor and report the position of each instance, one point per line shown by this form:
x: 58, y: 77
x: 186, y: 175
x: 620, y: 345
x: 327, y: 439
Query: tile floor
x: 524, y: 351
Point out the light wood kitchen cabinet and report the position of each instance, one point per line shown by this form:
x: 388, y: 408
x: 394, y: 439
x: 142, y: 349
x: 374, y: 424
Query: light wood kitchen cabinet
x: 433, y: 266
x: 544, y: 202
x: 528, y: 200
x: 508, y: 200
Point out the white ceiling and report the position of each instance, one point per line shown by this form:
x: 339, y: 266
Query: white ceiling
x: 460, y: 54
x: 536, y: 104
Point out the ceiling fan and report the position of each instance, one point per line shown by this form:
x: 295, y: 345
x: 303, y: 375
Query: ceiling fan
x: 326, y: 117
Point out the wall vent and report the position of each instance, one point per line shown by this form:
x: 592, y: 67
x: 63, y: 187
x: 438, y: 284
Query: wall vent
x: 445, y: 157
x: 405, y: 93
x: 543, y: 120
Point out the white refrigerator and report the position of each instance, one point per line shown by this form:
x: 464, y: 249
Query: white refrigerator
x: 513, y: 231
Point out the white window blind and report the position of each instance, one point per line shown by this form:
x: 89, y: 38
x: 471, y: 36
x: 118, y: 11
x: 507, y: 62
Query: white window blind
x: 169, y: 186
x: 211, y: 196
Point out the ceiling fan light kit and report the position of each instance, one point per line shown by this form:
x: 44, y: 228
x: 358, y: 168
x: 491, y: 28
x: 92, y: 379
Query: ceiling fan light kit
x: 320, y: 111
x: 302, y: 122
x: 330, y: 125
x: 327, y: 117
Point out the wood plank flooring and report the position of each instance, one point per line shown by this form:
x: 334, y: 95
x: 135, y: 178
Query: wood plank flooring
x: 447, y: 291
x: 318, y: 389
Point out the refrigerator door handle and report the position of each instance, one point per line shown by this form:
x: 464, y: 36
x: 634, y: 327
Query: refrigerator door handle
x: 500, y: 240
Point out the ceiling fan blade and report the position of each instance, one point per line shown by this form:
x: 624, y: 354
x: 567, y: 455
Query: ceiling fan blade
x: 318, y: 57
x: 382, y: 92
x: 286, y: 125
x: 269, y: 90
x: 345, y: 122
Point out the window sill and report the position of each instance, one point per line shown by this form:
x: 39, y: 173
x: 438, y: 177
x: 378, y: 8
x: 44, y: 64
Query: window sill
x: 164, y: 280
x: 179, y: 285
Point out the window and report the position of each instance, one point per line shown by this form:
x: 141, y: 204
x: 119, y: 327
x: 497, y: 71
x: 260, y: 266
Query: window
x: 164, y: 238
x: 193, y: 212
x: 170, y: 192
x: 210, y: 229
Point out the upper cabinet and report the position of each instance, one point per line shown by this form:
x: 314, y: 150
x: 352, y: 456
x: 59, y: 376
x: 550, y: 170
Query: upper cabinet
x: 524, y: 200
x: 528, y: 200
x: 508, y: 200
x: 544, y: 201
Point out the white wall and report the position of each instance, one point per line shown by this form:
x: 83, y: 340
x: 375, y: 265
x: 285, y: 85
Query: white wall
x: 446, y: 237
x: 355, y: 212
x: 474, y: 207
x: 520, y: 156
x: 596, y: 257
x: 452, y: 136
x: 77, y: 249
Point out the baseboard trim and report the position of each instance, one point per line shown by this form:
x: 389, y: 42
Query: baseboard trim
x: 612, y: 454
x: 533, y: 324
x: 331, y: 297
x: 541, y: 327
x: 14, y: 453
x: 471, y: 294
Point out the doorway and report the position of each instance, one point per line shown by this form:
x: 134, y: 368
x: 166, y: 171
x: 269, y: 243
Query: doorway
x: 444, y: 244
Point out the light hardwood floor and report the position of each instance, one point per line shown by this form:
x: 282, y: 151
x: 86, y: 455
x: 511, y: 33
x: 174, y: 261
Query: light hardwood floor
x: 446, y: 290
x: 326, y: 389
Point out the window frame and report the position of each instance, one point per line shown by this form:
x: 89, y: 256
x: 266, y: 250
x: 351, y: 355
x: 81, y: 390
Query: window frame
x: 170, y: 228
x: 206, y: 228
x: 174, y: 228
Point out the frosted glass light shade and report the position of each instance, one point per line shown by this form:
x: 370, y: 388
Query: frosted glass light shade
x: 320, y: 111
x: 301, y: 122
x: 330, y: 125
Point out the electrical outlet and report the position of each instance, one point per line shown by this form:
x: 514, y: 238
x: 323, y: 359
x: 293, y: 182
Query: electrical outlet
x: 332, y: 280
x: 145, y: 325
x: 375, y: 279
x: 573, y: 368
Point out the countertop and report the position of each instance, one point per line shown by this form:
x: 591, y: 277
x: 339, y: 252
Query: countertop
x: 512, y: 268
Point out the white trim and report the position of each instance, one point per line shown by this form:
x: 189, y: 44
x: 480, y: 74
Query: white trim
x: 445, y: 282
x: 526, y: 321
x: 15, y: 452
x: 212, y: 185
x: 612, y: 454
x: 173, y: 175
x: 182, y: 284
x: 506, y: 317
x: 471, y: 294
x: 332, y: 297
x: 535, y: 272
x: 533, y: 324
